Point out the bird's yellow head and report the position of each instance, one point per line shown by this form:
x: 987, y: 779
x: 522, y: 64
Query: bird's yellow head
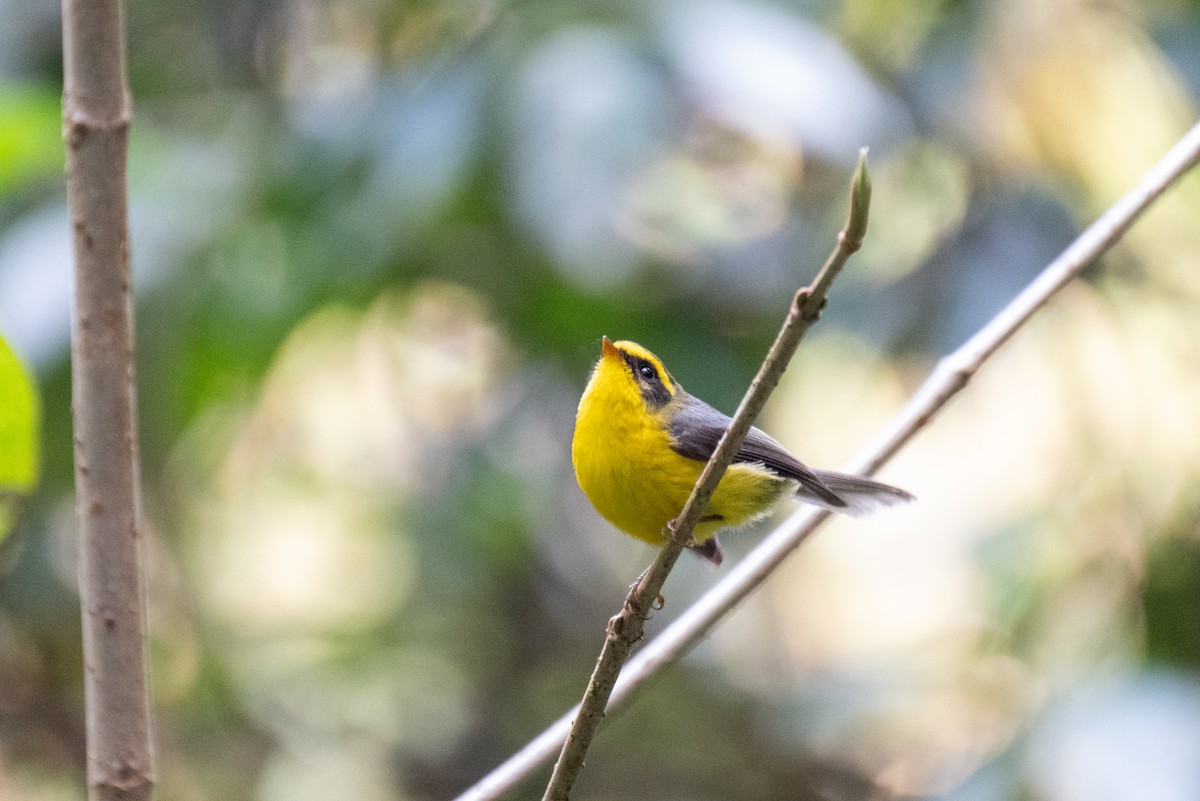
x: 629, y: 372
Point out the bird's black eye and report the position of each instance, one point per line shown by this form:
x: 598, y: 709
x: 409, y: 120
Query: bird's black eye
x: 647, y: 372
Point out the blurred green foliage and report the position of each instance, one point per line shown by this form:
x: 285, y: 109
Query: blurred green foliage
x: 29, y: 147
x: 18, y: 435
x: 375, y: 246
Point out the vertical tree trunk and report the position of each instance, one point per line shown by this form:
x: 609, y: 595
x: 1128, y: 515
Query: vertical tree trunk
x: 96, y: 117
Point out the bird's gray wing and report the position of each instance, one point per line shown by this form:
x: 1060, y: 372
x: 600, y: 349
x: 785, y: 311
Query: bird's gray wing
x: 696, y: 428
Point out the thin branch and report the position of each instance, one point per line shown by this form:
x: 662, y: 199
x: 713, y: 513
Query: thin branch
x: 96, y: 117
x: 950, y: 377
x: 626, y: 628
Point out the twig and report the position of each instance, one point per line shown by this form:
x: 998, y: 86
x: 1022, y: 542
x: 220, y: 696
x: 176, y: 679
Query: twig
x: 951, y: 375
x: 96, y: 117
x: 626, y: 628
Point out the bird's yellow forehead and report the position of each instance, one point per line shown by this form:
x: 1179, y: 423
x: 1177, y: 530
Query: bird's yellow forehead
x: 629, y: 355
x: 634, y: 349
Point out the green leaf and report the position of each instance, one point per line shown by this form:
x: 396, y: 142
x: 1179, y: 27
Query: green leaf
x: 30, y: 141
x: 19, y: 419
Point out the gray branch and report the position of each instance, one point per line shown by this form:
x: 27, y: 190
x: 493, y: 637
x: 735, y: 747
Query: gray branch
x: 96, y: 117
x: 948, y: 379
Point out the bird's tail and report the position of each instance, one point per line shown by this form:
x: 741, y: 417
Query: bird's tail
x: 862, y: 496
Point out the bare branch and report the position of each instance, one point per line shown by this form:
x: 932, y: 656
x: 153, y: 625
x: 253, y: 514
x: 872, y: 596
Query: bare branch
x: 626, y: 628
x: 96, y: 117
x: 950, y: 377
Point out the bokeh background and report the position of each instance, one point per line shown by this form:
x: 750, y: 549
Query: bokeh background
x: 375, y: 245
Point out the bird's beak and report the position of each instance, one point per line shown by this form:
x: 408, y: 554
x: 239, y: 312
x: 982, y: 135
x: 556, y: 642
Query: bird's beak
x: 607, y: 349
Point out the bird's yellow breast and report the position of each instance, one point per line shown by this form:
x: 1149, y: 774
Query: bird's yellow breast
x: 625, y: 465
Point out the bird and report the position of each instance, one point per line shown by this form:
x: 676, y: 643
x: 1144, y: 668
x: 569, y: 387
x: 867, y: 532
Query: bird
x: 641, y: 441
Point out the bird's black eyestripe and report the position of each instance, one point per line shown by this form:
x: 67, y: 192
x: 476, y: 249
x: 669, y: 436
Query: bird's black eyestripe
x: 654, y: 391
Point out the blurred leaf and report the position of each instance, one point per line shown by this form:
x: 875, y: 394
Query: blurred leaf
x: 18, y: 434
x: 1169, y: 596
x: 30, y: 146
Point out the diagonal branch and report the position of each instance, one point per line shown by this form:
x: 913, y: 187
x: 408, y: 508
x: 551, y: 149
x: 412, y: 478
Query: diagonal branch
x: 950, y: 377
x: 627, y: 627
